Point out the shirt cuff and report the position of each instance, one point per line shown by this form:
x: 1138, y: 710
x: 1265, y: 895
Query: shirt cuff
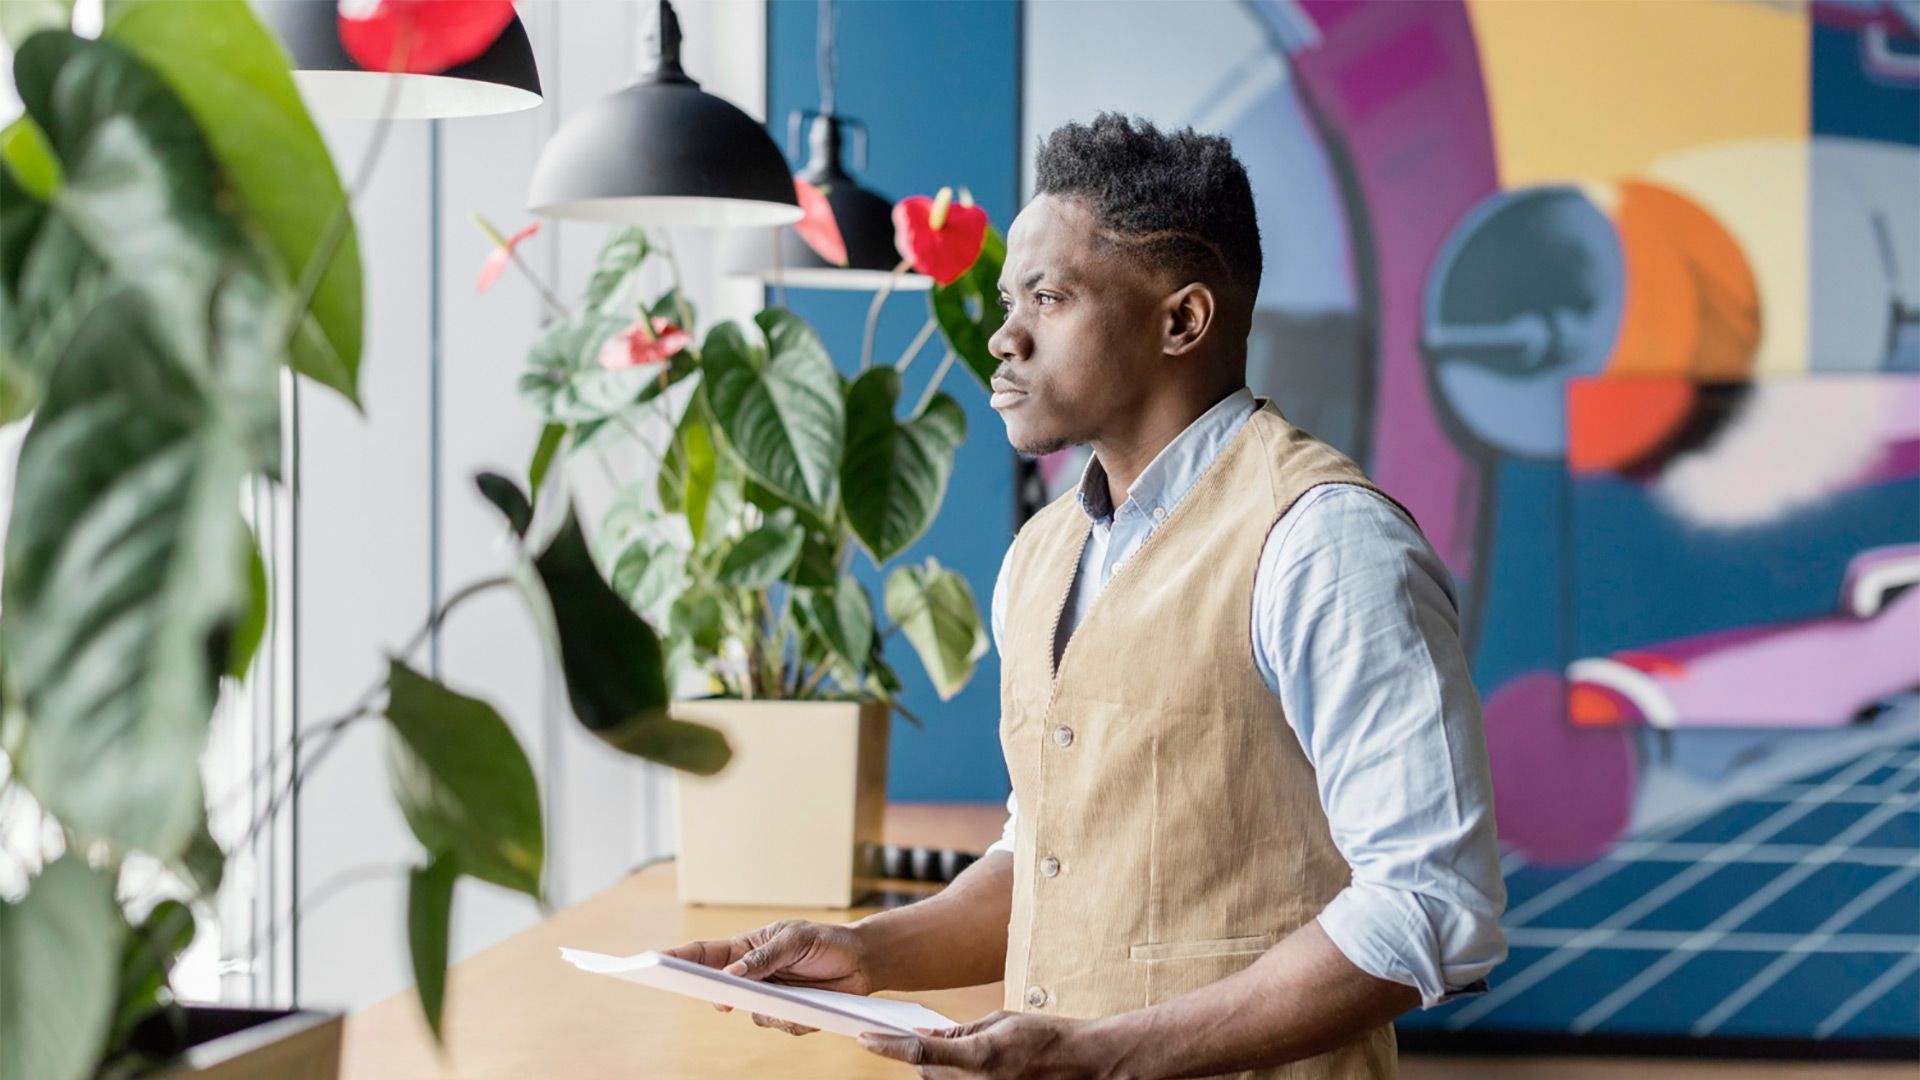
x: 1386, y: 934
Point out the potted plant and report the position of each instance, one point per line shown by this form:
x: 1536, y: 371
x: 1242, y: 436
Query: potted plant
x: 174, y: 235
x: 774, y: 472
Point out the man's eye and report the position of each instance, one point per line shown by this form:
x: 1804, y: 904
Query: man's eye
x: 1045, y: 299
x: 1005, y: 304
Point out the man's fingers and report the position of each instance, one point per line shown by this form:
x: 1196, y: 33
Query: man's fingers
x: 713, y: 954
x: 782, y: 1025
x: 767, y: 957
x: 925, y: 1050
x: 974, y: 1027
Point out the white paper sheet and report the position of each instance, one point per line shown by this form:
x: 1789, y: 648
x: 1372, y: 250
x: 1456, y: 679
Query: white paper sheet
x: 847, y: 1014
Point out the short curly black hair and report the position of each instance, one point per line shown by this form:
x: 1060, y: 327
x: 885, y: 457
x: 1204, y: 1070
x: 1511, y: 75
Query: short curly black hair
x: 1179, y: 199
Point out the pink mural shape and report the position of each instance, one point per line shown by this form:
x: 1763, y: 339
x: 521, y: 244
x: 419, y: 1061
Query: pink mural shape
x: 1761, y: 677
x: 1399, y: 85
x: 1565, y: 793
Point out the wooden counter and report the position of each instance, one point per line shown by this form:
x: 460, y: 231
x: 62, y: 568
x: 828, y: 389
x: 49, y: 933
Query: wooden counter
x: 519, y: 1011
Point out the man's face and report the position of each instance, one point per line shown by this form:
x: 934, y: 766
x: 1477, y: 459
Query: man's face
x: 1082, y: 340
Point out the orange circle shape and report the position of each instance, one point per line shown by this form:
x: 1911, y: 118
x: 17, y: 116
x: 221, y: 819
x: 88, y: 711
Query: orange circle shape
x: 1691, y: 305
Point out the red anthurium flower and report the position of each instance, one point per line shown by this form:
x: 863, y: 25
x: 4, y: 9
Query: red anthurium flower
x: 420, y: 37
x: 642, y: 344
x: 939, y: 236
x: 502, y: 254
x: 818, y: 228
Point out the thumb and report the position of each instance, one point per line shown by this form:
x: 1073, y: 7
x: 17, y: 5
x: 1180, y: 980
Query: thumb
x: 768, y: 957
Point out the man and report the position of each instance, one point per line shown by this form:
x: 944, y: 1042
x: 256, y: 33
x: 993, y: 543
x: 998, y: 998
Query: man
x: 1251, y: 819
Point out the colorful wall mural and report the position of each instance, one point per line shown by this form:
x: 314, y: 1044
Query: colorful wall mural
x: 1623, y: 302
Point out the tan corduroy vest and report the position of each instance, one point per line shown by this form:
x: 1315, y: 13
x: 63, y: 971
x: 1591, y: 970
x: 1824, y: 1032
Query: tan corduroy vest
x: 1170, y: 830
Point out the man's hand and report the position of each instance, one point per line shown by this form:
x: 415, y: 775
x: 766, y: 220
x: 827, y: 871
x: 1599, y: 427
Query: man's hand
x: 1003, y: 1046
x: 793, y: 952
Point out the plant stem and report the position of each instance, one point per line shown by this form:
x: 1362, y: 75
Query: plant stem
x: 813, y: 680
x: 679, y: 290
x: 933, y: 385
x: 919, y: 341
x: 873, y: 312
x: 553, y: 302
x: 361, y: 709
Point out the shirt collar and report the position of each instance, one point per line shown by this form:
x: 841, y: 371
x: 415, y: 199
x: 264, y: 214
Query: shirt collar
x: 1173, y: 472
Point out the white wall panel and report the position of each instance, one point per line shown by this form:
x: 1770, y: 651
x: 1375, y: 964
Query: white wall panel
x: 367, y: 552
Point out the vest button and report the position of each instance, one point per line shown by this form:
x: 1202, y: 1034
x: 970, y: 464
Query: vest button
x: 1063, y: 736
x: 1049, y: 866
x: 1036, y: 997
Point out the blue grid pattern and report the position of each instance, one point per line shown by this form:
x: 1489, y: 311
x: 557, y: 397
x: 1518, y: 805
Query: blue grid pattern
x: 1791, y: 912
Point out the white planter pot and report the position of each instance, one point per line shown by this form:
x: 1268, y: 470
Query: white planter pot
x: 795, y: 819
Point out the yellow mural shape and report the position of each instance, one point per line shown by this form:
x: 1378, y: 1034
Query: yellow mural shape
x: 1600, y: 89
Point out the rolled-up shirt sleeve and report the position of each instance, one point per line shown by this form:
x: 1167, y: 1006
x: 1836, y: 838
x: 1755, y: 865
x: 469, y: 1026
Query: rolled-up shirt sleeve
x: 1355, y: 629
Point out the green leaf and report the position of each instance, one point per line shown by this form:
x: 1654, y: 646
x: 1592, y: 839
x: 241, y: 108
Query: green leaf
x: 780, y: 407
x: 234, y: 79
x: 143, y: 192
x: 610, y: 656
x: 691, y: 748
x: 894, y: 475
x: 126, y: 563
x: 506, y: 497
x: 29, y: 157
x: 59, y: 953
x: 764, y: 555
x: 21, y: 19
x: 125, y: 576
x: 463, y: 782
x: 202, y: 865
x: 565, y: 382
x: 934, y: 608
x: 649, y: 575
x: 695, y: 479
x: 429, y: 924
x: 844, y: 617
x: 696, y: 616
x: 673, y: 309
x: 252, y: 628
x: 817, y: 569
x: 151, y: 950
x: 968, y: 309
x: 49, y: 281
x: 551, y: 437
x: 610, y: 289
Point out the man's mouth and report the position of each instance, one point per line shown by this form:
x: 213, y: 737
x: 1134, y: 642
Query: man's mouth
x: 1006, y: 393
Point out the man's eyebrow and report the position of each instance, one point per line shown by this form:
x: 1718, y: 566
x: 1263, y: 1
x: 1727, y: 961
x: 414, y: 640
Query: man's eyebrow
x: 1030, y: 280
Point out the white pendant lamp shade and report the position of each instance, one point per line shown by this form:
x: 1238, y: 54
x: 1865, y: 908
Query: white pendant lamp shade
x: 863, y: 217
x: 503, y: 79
x: 663, y: 152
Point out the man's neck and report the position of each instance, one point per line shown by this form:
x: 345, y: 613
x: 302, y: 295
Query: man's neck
x: 1125, y: 454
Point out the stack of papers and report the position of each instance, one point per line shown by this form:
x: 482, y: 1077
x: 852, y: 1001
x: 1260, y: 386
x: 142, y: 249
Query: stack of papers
x: 847, y: 1014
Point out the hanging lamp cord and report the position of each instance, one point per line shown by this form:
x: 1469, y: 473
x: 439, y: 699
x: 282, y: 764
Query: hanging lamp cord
x: 828, y: 60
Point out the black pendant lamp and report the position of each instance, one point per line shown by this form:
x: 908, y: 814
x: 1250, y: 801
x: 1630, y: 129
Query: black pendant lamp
x: 502, y: 79
x: 865, y: 220
x: 662, y: 151
x: 864, y: 217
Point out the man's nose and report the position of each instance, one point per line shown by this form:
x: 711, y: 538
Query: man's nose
x: 1011, y: 341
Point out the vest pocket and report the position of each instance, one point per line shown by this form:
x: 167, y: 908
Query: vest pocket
x: 1187, y: 950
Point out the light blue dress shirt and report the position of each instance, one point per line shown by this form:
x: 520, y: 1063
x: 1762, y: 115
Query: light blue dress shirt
x: 1355, y: 629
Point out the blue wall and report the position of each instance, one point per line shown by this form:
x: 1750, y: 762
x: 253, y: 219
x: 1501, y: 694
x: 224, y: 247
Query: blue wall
x: 937, y: 84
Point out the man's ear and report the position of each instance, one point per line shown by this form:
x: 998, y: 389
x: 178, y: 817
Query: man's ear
x: 1189, y: 314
